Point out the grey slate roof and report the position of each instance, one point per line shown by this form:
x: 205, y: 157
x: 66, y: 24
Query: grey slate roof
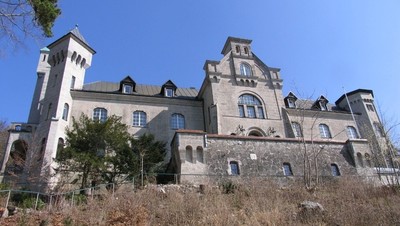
x: 147, y: 90
x: 76, y: 32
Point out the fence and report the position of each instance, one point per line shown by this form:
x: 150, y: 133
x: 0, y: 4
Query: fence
x: 39, y: 200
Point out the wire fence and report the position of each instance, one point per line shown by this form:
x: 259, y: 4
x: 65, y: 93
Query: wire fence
x: 11, y: 198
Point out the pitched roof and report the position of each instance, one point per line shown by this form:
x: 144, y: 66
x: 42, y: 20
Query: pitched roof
x: 146, y: 90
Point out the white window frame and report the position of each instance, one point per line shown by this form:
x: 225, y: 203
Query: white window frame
x: 139, y: 118
x: 324, y: 131
x: 177, y: 121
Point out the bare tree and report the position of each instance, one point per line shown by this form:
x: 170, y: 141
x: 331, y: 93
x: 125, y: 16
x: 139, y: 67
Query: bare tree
x: 20, y: 19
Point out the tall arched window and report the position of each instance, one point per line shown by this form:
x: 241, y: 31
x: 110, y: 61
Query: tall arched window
x: 177, y: 121
x: 245, y: 70
x: 297, y: 129
x: 189, y: 153
x: 199, y: 154
x: 250, y: 107
x: 49, y: 111
x: 65, y: 112
x: 351, y: 132
x: 360, y: 159
x: 378, y: 129
x: 324, y: 131
x: 139, y: 118
x: 100, y: 114
x: 60, y: 147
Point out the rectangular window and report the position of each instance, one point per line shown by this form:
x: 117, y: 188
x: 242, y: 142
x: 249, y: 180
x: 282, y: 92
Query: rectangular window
x: 234, y: 168
x: 72, y: 82
x: 260, y: 112
x: 287, y: 170
x: 251, y: 112
x: 169, y: 92
x: 370, y: 107
x: 128, y: 89
x: 241, y: 111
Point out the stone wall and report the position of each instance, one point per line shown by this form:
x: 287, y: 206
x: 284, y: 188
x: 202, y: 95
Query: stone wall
x: 261, y: 156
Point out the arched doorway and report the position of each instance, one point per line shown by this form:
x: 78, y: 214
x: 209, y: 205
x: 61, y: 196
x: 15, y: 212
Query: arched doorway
x: 17, y: 159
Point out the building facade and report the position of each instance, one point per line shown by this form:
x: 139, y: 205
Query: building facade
x: 238, y: 123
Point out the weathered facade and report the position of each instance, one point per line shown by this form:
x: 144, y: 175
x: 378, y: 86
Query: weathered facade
x: 238, y: 123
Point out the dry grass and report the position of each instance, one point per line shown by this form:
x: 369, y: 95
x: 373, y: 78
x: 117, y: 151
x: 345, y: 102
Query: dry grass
x: 253, y: 203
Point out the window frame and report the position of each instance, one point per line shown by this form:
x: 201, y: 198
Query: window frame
x: 177, y: 121
x: 140, y: 120
x: 250, y: 106
x: 324, y: 131
x: 169, y: 92
x: 127, y: 88
x: 245, y: 70
x: 102, y: 114
x: 234, y: 168
x: 335, y: 171
x: 287, y: 169
x: 65, y: 112
x: 297, y: 130
x: 351, y: 132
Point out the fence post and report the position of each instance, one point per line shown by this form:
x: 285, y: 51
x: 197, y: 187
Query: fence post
x: 50, y: 200
x: 176, y: 178
x: 8, y: 197
x: 37, y: 200
x: 72, y: 199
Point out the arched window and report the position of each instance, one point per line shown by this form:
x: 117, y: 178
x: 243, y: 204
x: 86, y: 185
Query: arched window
x: 297, y: 129
x: 351, y: 132
x: 65, y: 112
x: 246, y: 50
x: 100, y: 114
x: 234, y: 167
x: 60, y: 147
x: 368, y: 159
x: 255, y: 133
x: 42, y: 149
x: 83, y: 62
x: 245, y: 70
x: 237, y: 49
x: 78, y: 60
x: 378, y: 129
x: 200, y: 154
x: 73, y: 57
x: 335, y: 170
x: 189, y: 153
x: 324, y: 131
x: 49, y: 111
x: 360, y: 159
x: 248, y: 106
x: 139, y: 118
x: 287, y: 169
x: 177, y: 121
x: 18, y: 128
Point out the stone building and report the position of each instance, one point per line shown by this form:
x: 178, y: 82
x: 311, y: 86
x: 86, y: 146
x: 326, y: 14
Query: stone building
x: 238, y: 123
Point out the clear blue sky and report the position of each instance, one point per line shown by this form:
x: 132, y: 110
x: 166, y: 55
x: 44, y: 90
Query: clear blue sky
x: 321, y: 46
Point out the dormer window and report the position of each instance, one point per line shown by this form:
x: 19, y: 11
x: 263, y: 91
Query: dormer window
x: 322, y: 105
x: 128, y: 88
x: 290, y: 100
x: 169, y: 92
x: 127, y: 85
x: 291, y: 103
x: 168, y: 89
